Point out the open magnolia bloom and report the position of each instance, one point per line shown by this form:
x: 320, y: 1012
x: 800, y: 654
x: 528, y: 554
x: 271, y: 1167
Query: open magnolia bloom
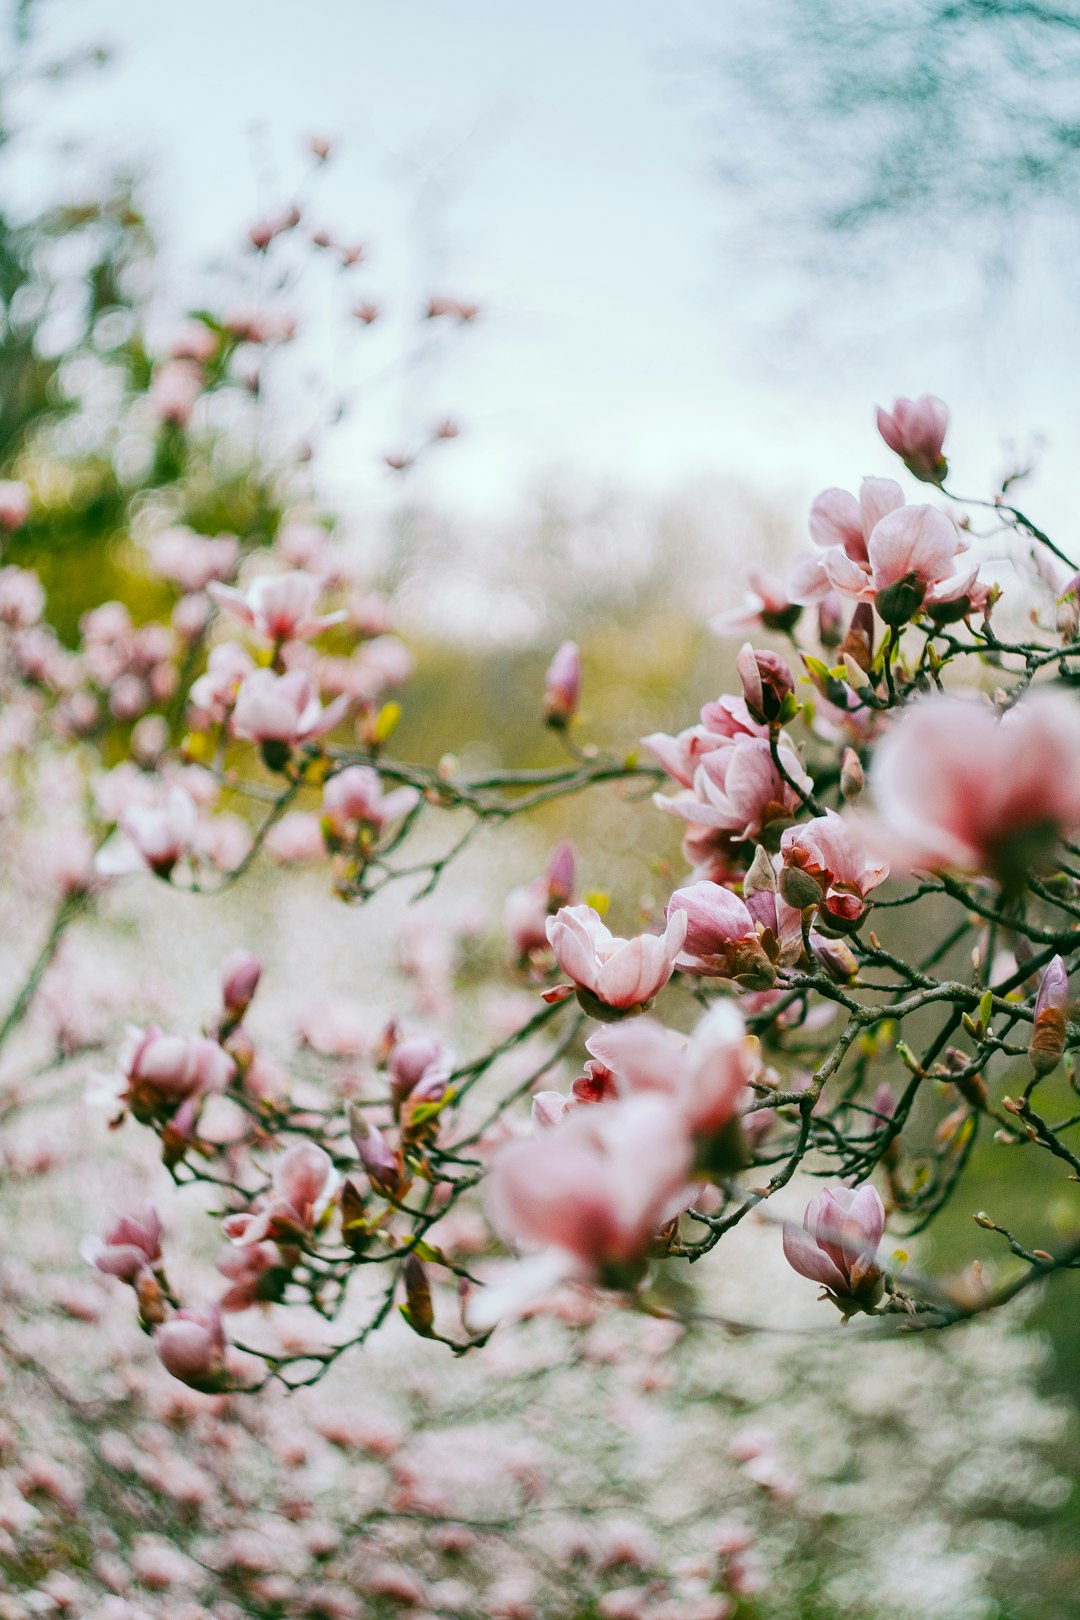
x: 279, y: 607
x: 826, y: 864
x: 586, y: 1197
x: 958, y: 786
x: 876, y: 549
x: 613, y: 975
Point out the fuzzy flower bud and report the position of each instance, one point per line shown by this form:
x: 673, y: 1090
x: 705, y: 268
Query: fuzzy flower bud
x: 767, y: 683
x: 562, y: 686
x: 1051, y: 1009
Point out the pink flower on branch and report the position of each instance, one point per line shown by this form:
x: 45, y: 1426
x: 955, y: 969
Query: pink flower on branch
x: 612, y: 975
x: 837, y: 1246
x: 722, y: 939
x: 280, y: 607
x: 283, y: 710
x: 353, y: 801
x: 587, y: 1198
x: 958, y: 786
x: 191, y: 1346
x: 131, y: 1244
x: 915, y: 429
x: 826, y: 864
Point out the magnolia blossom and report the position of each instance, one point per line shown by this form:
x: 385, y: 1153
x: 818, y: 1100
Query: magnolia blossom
x: 767, y: 683
x: 915, y: 429
x: 131, y: 1244
x: 354, y: 800
x: 192, y: 1345
x: 1047, y: 1044
x: 721, y: 936
x: 562, y: 685
x: 241, y: 973
x: 766, y: 605
x: 876, y: 549
x: 158, y: 1072
x: 612, y: 974
x: 737, y: 790
x: 837, y: 1245
x: 826, y: 864
x: 958, y: 786
x: 707, y: 1077
x: 214, y: 693
x: 588, y: 1195
x: 279, y: 607
x: 416, y: 1062
x: 283, y: 709
x: 303, y: 1181
x: 725, y: 721
x: 161, y: 833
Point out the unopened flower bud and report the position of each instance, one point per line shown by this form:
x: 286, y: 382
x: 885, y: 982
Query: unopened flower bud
x: 241, y: 974
x: 915, y: 430
x: 798, y: 888
x: 852, y: 780
x: 1051, y: 1007
x: 766, y: 682
x: 562, y: 686
x: 835, y: 957
x: 376, y: 1155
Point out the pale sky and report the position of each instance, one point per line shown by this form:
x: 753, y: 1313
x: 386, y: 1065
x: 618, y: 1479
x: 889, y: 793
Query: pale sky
x: 622, y: 339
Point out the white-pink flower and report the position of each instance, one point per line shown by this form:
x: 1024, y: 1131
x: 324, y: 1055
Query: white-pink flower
x: 283, y: 708
x: 586, y: 1197
x: 706, y: 1077
x: 612, y: 974
x: 958, y: 786
x: 837, y: 1245
x: 829, y: 855
x: 279, y: 607
x: 354, y: 800
x: 915, y: 429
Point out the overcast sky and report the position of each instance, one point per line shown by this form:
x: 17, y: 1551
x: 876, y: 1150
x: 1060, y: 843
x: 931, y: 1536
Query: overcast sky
x: 623, y: 336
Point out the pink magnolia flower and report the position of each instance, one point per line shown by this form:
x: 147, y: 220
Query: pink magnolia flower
x: 161, y: 833
x: 214, y: 693
x: 158, y: 1072
x: 241, y: 973
x: 915, y: 429
x: 613, y: 975
x: 353, y: 801
x: 837, y: 1246
x: 765, y: 606
x: 958, y: 786
x: 256, y: 1272
x: 22, y: 598
x: 587, y: 1197
x: 283, y: 709
x: 727, y: 720
x: 413, y: 1062
x: 767, y: 683
x: 562, y: 685
x: 303, y: 1181
x: 707, y: 1077
x: 527, y: 908
x: 826, y: 863
x: 191, y: 1346
x: 1047, y: 1043
x: 721, y: 936
x: 130, y: 1245
x: 876, y: 549
x: 296, y: 838
x: 14, y: 504
x: 737, y: 791
x: 279, y: 607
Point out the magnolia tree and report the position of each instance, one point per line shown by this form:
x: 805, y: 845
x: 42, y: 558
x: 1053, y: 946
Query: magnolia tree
x: 861, y: 970
x: 833, y: 873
